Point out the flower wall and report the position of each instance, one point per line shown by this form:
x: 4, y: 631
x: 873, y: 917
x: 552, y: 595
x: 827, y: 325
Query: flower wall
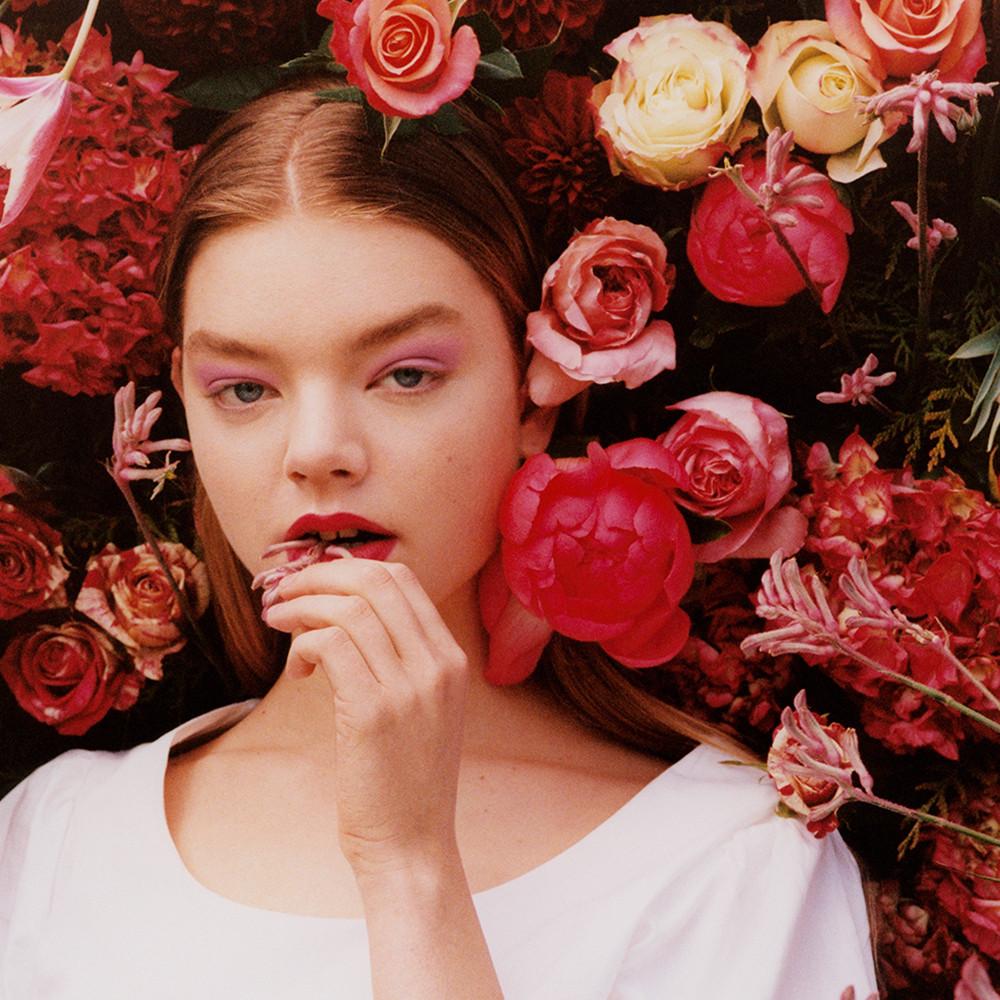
x: 771, y: 315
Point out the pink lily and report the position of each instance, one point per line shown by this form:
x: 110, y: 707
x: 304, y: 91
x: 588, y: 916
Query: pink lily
x: 859, y: 386
x: 34, y: 112
x: 130, y: 440
x: 926, y: 97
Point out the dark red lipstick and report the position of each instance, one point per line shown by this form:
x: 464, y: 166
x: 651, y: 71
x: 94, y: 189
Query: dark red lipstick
x: 372, y: 541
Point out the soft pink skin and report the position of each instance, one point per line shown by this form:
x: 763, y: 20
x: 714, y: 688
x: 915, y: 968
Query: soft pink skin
x: 734, y: 452
x: 730, y: 245
x: 436, y: 66
x: 29, y: 134
x: 950, y: 39
x: 593, y: 324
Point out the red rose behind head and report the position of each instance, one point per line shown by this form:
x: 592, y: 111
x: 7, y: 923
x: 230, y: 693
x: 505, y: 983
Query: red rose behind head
x: 32, y: 573
x: 597, y: 550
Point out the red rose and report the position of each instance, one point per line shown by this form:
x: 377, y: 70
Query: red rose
x: 594, y: 321
x: 32, y: 573
x: 67, y: 676
x: 734, y: 449
x: 732, y: 249
x: 597, y: 549
x: 402, y: 53
x: 128, y: 594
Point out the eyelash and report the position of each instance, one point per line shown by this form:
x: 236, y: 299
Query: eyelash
x: 429, y: 378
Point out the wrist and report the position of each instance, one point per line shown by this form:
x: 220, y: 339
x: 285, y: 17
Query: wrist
x: 421, y: 877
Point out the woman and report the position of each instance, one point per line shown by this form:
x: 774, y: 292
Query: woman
x: 382, y: 821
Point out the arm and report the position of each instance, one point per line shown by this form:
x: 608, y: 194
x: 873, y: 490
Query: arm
x: 398, y: 682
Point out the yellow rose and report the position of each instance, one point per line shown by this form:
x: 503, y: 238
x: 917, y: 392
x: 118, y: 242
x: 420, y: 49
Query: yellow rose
x: 807, y: 84
x: 674, y: 105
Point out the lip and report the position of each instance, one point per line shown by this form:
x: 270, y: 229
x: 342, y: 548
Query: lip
x: 321, y: 523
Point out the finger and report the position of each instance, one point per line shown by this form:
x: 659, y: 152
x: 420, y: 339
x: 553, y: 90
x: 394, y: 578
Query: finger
x: 333, y: 651
x: 354, y: 615
x: 433, y: 625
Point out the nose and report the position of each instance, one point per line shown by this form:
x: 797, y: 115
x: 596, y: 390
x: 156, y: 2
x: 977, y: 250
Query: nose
x: 325, y: 439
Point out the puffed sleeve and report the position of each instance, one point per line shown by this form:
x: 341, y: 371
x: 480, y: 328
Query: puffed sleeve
x: 34, y: 818
x: 772, y: 914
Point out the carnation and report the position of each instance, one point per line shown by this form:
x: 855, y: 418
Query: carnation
x: 77, y: 303
x: 525, y: 24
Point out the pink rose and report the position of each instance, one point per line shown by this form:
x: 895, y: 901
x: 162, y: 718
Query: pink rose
x: 593, y: 324
x: 737, y: 257
x: 734, y: 451
x: 815, y: 766
x: 129, y: 595
x: 593, y: 548
x: 67, y: 676
x: 401, y: 53
x: 32, y: 572
x: 910, y: 36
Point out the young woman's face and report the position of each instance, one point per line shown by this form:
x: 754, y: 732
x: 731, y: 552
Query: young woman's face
x: 336, y: 366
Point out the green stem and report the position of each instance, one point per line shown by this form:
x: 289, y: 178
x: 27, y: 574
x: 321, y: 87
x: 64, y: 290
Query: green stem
x: 933, y: 693
x: 943, y: 647
x: 81, y: 38
x: 925, y: 817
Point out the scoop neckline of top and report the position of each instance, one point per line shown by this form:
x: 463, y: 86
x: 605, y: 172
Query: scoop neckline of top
x: 602, y: 831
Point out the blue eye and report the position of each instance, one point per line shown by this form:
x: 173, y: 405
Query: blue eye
x: 408, y: 378
x: 247, y: 392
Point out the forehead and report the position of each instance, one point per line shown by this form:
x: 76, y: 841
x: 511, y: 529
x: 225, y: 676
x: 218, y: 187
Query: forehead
x: 295, y: 272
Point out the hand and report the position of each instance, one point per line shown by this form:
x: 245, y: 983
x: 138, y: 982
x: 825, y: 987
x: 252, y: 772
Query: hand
x: 398, y: 679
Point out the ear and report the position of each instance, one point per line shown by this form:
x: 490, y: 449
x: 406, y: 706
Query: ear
x: 537, y: 425
x: 176, y: 377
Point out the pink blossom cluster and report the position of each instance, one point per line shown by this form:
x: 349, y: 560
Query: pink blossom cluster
x: 932, y: 550
x: 77, y: 299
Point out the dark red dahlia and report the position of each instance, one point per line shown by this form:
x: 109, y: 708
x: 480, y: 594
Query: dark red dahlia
x: 196, y: 34
x: 564, y: 168
x: 525, y: 24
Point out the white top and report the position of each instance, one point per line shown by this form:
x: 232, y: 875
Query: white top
x: 694, y: 890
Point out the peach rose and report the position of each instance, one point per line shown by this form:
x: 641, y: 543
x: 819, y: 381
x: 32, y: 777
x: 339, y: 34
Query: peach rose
x: 674, y: 105
x: 401, y: 53
x: 734, y: 450
x: 128, y: 594
x: 808, y: 85
x: 910, y: 36
x: 593, y: 324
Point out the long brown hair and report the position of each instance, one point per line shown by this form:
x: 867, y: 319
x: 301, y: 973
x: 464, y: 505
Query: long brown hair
x: 291, y: 151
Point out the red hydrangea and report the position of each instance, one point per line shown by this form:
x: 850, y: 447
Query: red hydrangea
x: 932, y: 548
x: 563, y: 168
x: 951, y: 877
x: 76, y: 280
x: 526, y: 24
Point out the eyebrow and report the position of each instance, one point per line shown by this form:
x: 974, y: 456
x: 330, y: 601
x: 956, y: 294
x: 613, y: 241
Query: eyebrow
x: 367, y: 340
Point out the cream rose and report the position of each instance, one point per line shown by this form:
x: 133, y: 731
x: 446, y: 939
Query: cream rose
x: 674, y: 105
x: 807, y: 84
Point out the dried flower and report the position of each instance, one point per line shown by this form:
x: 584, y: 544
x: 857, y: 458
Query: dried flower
x: 937, y: 231
x: 302, y: 554
x: 816, y: 766
x: 130, y: 440
x: 859, y: 386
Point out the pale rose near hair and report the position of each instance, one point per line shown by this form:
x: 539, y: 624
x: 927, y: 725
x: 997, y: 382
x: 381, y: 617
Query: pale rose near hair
x: 674, y: 105
x: 593, y: 548
x: 128, y: 595
x: 910, y: 36
x: 735, y: 455
x: 68, y: 676
x: 594, y: 321
x: 730, y: 244
x: 807, y: 84
x: 401, y: 53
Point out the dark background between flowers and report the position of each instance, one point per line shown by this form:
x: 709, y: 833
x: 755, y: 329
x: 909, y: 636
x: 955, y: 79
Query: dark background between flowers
x: 783, y: 355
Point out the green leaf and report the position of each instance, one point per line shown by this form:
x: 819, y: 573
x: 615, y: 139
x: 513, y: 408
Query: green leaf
x: 979, y: 346
x: 230, y: 89
x: 346, y: 95
x: 313, y: 61
x: 987, y: 394
x: 446, y: 120
x: 535, y: 62
x: 487, y: 33
x: 484, y: 98
x: 501, y: 64
x: 706, y: 529
x: 992, y: 203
